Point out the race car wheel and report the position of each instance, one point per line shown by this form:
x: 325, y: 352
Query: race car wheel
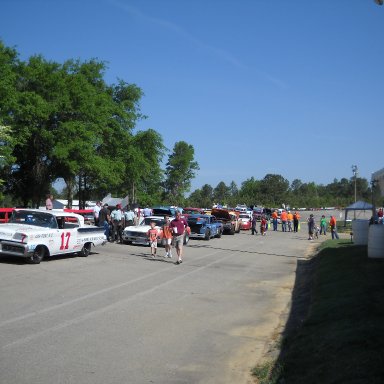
x: 86, y: 250
x: 186, y: 239
x: 207, y: 235
x: 37, y: 256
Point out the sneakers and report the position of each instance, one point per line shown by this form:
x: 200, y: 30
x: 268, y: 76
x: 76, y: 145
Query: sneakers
x: 179, y: 261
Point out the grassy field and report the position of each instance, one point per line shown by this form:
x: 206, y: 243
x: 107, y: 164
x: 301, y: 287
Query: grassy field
x: 335, y: 332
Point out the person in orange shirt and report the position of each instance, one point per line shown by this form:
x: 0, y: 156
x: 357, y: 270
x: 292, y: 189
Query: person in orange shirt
x: 289, y: 221
x: 274, y: 220
x: 283, y: 218
x: 296, y: 218
x: 152, y: 235
x: 167, y: 237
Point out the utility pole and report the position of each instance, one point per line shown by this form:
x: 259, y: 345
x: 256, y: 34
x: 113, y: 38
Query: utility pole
x: 373, y: 185
x: 354, y: 171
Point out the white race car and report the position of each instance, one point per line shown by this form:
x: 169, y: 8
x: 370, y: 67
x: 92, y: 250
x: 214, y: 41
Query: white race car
x: 35, y: 234
x: 137, y: 234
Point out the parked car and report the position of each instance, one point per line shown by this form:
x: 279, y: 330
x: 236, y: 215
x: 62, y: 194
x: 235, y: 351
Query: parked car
x: 164, y: 210
x: 137, y: 234
x: 204, y: 226
x: 258, y: 212
x: 231, y: 223
x: 245, y: 221
x: 34, y: 234
x: 191, y: 211
x: 5, y: 214
x: 86, y: 213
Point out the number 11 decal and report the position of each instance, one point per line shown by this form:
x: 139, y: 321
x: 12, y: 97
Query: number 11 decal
x: 63, y: 236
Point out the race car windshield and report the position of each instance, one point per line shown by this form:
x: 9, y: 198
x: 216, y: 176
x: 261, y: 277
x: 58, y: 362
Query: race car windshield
x: 39, y: 219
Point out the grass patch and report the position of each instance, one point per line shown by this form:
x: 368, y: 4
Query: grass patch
x: 341, y: 339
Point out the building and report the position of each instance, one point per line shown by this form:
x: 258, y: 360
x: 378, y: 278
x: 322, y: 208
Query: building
x: 378, y: 176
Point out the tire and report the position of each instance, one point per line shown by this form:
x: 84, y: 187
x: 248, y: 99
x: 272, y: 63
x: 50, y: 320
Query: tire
x: 37, y: 256
x: 238, y: 229
x: 86, y: 250
x: 219, y: 233
x: 186, y: 239
x: 232, y: 231
x: 207, y: 234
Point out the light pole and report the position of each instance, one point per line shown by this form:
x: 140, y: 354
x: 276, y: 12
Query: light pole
x: 354, y: 171
x: 373, y: 185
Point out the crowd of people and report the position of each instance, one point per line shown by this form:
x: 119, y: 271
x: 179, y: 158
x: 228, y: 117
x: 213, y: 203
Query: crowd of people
x: 114, y: 221
x: 172, y: 232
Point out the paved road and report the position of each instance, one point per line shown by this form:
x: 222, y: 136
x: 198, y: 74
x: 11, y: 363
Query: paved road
x: 121, y: 317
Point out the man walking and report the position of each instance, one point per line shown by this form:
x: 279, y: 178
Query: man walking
x: 332, y: 224
x: 178, y: 226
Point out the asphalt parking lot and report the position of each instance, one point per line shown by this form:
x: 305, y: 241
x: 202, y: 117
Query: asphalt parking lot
x: 119, y: 316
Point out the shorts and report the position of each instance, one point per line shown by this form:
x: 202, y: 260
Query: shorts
x: 166, y: 241
x: 153, y: 244
x: 178, y: 241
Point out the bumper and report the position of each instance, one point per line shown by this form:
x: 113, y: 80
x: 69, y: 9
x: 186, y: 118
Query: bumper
x: 14, y: 249
x: 135, y: 239
x: 194, y: 235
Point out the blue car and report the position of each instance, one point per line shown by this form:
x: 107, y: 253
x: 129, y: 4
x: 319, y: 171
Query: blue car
x: 204, y: 226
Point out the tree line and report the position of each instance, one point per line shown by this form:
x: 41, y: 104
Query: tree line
x: 63, y: 121
x: 274, y: 191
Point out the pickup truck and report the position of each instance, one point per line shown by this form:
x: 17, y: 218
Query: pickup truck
x: 204, y: 226
x: 34, y: 234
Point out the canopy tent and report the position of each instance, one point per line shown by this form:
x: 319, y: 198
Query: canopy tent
x: 358, y: 206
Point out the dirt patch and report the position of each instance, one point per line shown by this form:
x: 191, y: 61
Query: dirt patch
x: 292, y: 305
x: 295, y: 313
x: 258, y: 338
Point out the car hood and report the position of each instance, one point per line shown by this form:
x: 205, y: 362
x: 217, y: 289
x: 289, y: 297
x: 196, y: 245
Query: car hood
x: 139, y: 228
x: 7, y: 231
x: 221, y: 214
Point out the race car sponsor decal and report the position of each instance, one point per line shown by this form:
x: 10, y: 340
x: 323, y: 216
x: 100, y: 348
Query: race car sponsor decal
x: 43, y: 235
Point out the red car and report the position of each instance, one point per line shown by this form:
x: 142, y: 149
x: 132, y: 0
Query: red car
x: 245, y: 221
x: 5, y: 214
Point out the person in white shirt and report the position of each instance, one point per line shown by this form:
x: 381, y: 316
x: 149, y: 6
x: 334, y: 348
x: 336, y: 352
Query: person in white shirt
x: 129, y: 217
x: 117, y: 218
x: 96, y: 212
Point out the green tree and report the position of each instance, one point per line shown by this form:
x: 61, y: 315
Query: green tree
x: 250, y: 192
x: 37, y: 87
x: 144, y: 175
x: 180, y: 170
x: 221, y: 193
x: 274, y: 190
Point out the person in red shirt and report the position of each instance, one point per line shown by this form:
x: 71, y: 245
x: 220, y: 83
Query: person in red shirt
x: 263, y: 225
x: 332, y: 224
x: 178, y: 226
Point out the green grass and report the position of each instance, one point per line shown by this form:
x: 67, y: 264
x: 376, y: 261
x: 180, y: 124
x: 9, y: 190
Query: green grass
x: 341, y: 339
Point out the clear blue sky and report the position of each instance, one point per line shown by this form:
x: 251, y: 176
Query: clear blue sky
x: 294, y: 87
